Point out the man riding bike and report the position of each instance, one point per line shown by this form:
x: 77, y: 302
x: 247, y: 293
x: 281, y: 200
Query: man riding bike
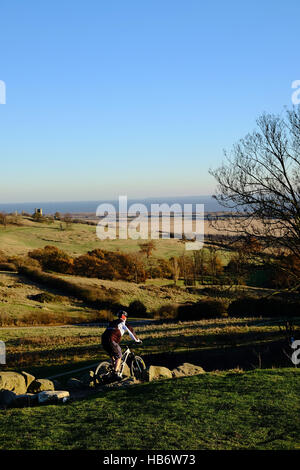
x: 112, y: 336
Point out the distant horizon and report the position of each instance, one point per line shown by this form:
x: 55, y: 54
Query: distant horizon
x: 142, y: 198
x: 89, y: 206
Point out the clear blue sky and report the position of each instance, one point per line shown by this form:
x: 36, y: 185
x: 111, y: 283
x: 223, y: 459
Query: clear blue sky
x: 134, y: 97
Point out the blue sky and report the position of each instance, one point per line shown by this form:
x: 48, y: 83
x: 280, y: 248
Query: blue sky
x: 136, y: 98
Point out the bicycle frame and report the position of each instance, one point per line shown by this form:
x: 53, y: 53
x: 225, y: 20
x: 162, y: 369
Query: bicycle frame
x: 124, y: 359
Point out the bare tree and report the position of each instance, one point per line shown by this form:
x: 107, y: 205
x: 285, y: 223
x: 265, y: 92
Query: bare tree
x: 147, y: 248
x: 260, y: 183
x: 175, y: 269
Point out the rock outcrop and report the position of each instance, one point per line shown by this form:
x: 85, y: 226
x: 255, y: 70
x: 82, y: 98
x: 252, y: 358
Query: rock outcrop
x: 186, y: 370
x: 13, y: 381
x: 157, y: 373
x: 53, y: 396
x: 40, y: 385
x: 28, y: 378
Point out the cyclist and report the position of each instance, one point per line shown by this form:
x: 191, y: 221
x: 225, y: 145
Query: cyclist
x: 112, y: 337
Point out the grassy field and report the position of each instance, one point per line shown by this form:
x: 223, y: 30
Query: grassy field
x: 229, y: 410
x: 81, y: 238
x: 78, y: 239
x: 47, y: 351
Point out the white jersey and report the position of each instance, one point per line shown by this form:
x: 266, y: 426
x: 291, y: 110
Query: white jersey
x: 118, y: 328
x: 124, y: 329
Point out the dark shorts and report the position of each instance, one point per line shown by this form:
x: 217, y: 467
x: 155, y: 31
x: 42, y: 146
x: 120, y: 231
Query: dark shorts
x: 112, y: 348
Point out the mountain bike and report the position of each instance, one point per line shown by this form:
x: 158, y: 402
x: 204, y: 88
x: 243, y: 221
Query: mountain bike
x: 104, y: 371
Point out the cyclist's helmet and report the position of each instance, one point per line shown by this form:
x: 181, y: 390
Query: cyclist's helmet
x: 122, y: 315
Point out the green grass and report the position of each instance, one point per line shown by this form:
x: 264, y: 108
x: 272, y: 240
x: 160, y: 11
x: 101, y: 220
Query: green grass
x: 80, y: 238
x: 252, y: 410
x: 153, y: 294
x: 54, y: 349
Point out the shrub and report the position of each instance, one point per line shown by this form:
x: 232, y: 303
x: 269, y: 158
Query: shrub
x: 26, y: 261
x: 93, y: 296
x: 137, y: 309
x: 7, y: 267
x: 204, y: 309
x: 45, y: 297
x: 167, y: 312
x: 264, y: 307
x: 4, y: 319
x: 92, y: 266
x: 53, y: 259
x: 105, y: 315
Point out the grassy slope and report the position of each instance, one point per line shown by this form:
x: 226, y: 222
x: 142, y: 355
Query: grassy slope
x: 253, y: 410
x: 80, y: 238
x: 14, y: 292
x: 14, y: 301
x: 151, y: 294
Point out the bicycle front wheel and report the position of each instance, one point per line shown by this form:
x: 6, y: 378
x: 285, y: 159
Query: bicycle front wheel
x: 137, y: 368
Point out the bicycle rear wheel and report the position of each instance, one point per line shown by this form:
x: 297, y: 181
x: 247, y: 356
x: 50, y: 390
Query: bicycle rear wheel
x: 137, y: 368
x: 102, y: 370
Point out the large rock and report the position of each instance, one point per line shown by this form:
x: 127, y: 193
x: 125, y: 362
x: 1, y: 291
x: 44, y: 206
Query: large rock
x: 126, y: 382
x: 41, y: 385
x: 6, y: 398
x: 53, y: 396
x: 13, y: 381
x: 158, y: 372
x: 28, y: 378
x: 186, y: 369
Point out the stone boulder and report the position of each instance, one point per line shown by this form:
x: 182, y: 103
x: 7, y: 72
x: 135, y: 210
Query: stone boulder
x: 6, y: 398
x: 157, y: 373
x: 186, y: 370
x: 126, y: 382
x: 28, y: 378
x: 13, y: 381
x: 53, y: 396
x: 40, y: 385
